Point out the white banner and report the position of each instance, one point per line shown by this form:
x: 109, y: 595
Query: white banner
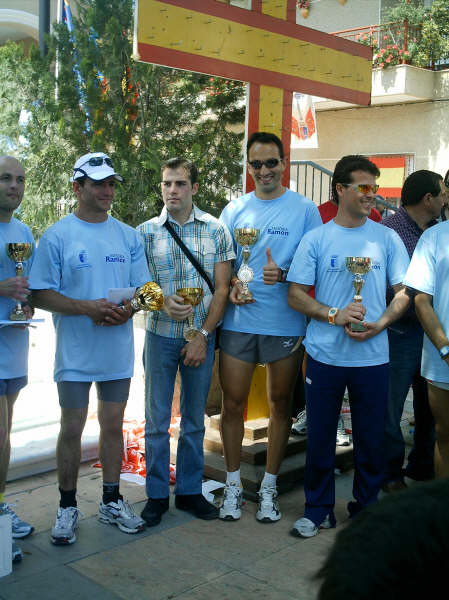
x: 304, y: 130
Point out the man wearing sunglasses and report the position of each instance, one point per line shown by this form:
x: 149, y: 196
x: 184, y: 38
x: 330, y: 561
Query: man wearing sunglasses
x: 422, y: 198
x: 265, y: 330
x: 78, y: 260
x: 338, y: 356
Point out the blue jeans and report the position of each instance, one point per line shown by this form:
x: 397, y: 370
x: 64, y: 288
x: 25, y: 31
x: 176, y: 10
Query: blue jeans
x: 406, y: 340
x: 368, y: 394
x: 162, y: 359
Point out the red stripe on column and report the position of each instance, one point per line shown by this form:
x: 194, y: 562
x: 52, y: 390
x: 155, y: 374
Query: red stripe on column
x: 287, y: 132
x: 291, y: 11
x: 253, y: 124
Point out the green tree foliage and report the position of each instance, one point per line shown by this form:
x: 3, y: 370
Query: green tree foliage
x: 140, y: 114
x: 432, y: 42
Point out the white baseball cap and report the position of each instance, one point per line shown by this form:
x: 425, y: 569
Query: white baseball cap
x: 95, y: 165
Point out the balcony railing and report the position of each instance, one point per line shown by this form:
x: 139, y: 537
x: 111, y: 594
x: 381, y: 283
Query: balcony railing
x: 393, y: 42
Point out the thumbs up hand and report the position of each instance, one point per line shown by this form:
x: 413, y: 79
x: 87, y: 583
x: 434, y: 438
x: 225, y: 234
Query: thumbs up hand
x: 271, y: 272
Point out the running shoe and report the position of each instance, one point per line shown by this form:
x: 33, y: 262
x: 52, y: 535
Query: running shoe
x: 268, y: 511
x: 63, y: 531
x: 300, y: 426
x: 16, y: 553
x: 231, y: 508
x: 20, y: 529
x: 306, y: 528
x: 122, y: 514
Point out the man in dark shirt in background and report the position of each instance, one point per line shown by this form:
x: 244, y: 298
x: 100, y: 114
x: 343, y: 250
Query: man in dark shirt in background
x: 422, y: 198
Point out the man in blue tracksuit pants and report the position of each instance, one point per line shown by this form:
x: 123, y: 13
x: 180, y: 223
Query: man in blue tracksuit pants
x: 338, y: 356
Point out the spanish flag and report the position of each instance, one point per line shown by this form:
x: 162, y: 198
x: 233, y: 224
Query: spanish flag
x: 392, y: 175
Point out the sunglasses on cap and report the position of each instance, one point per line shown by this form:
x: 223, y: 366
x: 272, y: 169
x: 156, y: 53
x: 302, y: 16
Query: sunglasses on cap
x: 96, y: 161
x: 363, y: 188
x: 270, y: 163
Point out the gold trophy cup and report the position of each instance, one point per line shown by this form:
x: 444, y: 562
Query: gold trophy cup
x: 193, y: 297
x: 19, y: 252
x: 246, y: 237
x: 148, y: 297
x: 358, y: 266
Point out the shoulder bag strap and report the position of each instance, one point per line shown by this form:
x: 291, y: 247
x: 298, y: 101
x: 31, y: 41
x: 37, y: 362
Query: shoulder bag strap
x: 190, y: 256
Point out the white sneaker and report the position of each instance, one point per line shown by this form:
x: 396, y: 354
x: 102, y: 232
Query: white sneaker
x: 16, y: 553
x: 268, y: 505
x: 230, y: 509
x: 343, y: 438
x: 20, y: 529
x: 122, y: 514
x: 63, y: 531
x: 306, y: 528
x: 300, y: 426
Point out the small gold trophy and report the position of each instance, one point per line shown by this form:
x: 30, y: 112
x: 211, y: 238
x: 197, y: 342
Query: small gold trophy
x: 246, y: 237
x: 148, y: 297
x: 193, y: 297
x: 358, y: 266
x: 19, y: 252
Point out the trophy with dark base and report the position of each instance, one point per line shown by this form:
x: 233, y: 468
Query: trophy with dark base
x: 19, y: 252
x: 246, y: 237
x: 358, y: 266
x: 193, y: 297
x: 148, y: 297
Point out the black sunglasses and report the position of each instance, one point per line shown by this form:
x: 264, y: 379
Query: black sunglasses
x: 96, y: 161
x: 270, y: 163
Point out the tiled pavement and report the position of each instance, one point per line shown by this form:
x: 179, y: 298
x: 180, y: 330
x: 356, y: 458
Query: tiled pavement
x: 182, y: 558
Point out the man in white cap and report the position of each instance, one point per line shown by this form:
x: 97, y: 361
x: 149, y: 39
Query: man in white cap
x: 78, y: 260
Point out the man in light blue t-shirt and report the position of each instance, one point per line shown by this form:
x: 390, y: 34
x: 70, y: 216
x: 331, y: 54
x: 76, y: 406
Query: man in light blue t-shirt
x: 263, y: 329
x: 78, y: 260
x: 339, y: 357
x: 429, y: 275
x: 13, y: 339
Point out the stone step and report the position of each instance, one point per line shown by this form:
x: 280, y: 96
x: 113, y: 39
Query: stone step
x: 254, y: 430
x: 291, y: 472
x: 253, y: 452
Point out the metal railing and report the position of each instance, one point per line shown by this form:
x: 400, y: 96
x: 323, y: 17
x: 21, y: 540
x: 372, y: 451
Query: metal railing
x: 397, y: 41
x: 311, y: 180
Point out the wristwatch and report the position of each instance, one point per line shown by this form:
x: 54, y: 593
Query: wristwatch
x: 206, y: 334
x: 282, y: 277
x: 444, y: 351
x: 331, y: 315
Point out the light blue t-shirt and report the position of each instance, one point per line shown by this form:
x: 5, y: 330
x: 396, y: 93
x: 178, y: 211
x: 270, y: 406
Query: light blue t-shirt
x: 282, y: 223
x: 320, y: 261
x: 13, y: 341
x: 84, y: 260
x: 429, y: 273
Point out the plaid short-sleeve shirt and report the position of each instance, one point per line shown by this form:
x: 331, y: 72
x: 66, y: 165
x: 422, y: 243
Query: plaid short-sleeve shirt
x: 207, y: 239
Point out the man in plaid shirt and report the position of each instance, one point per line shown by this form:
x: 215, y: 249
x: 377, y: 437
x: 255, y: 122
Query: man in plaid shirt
x: 166, y: 350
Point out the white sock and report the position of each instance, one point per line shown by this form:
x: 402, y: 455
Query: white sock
x: 233, y: 477
x: 269, y: 480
